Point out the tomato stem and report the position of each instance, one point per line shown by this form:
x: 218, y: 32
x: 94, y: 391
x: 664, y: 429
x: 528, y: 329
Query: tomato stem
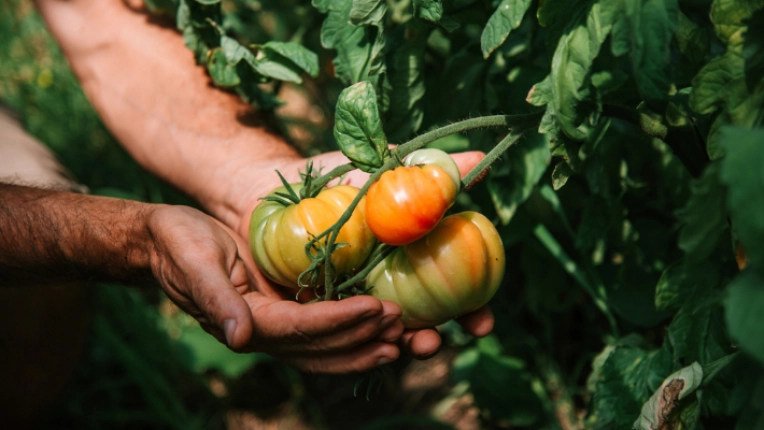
x: 337, y: 172
x: 491, y: 157
x: 512, y: 121
x: 382, y: 253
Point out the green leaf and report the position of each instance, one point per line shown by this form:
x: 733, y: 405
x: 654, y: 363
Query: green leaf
x: 693, y: 41
x: 551, y: 12
x: 221, y: 72
x: 753, y: 49
x: 541, y: 93
x: 301, y: 56
x: 697, y: 331
x: 273, y: 65
x: 657, y: 412
x: 512, y: 181
x: 560, y: 175
x: 741, y: 172
x: 358, y: 128
x: 428, y: 10
x: 506, y: 18
x: 234, y: 51
x: 723, y: 84
x: 644, y: 29
x: 668, y: 292
x: 406, y: 78
x: 432, y: 12
x: 683, y: 279
x: 499, y: 383
x: 624, y: 382
x: 704, y: 217
x: 359, y: 49
x: 743, y: 306
x: 569, y: 93
x: 719, y: 82
x: 365, y: 12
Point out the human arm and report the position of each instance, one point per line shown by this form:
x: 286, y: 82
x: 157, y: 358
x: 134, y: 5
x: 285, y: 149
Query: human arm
x: 55, y: 237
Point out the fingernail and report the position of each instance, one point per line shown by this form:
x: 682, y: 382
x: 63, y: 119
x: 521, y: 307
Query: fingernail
x: 229, y: 326
x: 384, y: 360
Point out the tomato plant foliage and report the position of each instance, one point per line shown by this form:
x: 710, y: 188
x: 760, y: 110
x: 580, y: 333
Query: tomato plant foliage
x: 622, y: 206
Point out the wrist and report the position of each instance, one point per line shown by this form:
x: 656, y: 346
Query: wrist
x: 233, y: 198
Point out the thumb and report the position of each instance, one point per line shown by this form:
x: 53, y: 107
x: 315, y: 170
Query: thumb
x: 225, y: 309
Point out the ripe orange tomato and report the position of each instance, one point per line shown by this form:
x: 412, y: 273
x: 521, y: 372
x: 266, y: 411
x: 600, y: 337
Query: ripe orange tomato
x: 407, y: 202
x: 278, y: 233
x: 454, y: 270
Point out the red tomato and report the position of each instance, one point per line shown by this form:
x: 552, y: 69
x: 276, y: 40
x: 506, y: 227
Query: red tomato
x: 407, y: 202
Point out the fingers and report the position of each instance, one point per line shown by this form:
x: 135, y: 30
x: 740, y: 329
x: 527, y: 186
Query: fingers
x: 223, y: 306
x: 361, y: 359
x: 426, y: 342
x: 467, y: 160
x: 289, y: 327
x: 288, y: 318
x: 478, y: 323
x: 422, y: 343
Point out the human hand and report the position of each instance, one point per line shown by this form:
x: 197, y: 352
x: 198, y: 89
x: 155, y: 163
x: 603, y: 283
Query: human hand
x: 206, y: 269
x: 421, y: 343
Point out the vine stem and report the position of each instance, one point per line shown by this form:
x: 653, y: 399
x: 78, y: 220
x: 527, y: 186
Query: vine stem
x: 511, y: 121
x: 338, y: 171
x: 366, y: 270
x: 509, y: 140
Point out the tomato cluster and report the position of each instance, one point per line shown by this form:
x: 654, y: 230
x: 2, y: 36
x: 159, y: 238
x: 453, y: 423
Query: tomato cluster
x: 445, y: 267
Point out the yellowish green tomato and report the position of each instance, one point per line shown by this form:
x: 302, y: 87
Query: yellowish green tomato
x: 278, y: 233
x: 455, y: 269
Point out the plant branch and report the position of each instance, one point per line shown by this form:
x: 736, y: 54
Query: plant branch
x: 333, y: 174
x: 369, y: 267
x: 492, y: 156
x: 510, y: 121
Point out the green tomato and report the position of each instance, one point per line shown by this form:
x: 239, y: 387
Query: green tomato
x: 454, y: 270
x: 437, y: 157
x: 278, y: 234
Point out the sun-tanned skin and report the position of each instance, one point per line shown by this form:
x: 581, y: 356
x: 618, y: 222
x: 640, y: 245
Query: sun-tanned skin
x: 165, y: 112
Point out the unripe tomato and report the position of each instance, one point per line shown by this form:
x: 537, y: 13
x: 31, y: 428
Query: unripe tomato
x: 278, y: 234
x: 408, y: 201
x: 454, y: 270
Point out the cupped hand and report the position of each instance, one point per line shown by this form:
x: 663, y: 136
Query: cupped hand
x: 421, y: 343
x: 206, y: 269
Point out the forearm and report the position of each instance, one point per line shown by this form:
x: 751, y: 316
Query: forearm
x: 160, y: 105
x: 51, y: 236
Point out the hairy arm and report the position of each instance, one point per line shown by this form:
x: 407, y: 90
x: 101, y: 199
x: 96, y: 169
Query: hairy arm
x: 162, y: 107
x: 51, y: 236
